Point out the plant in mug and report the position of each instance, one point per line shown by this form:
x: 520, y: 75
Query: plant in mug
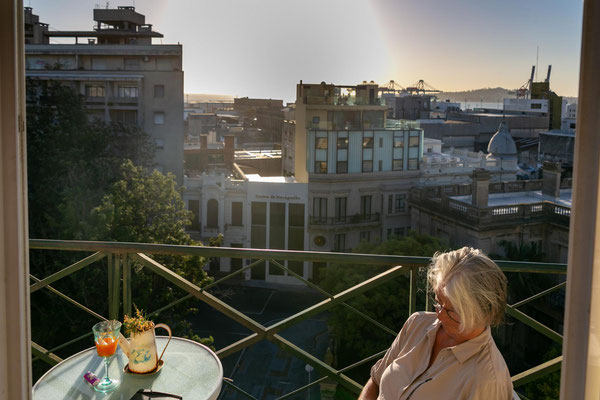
x: 137, y: 324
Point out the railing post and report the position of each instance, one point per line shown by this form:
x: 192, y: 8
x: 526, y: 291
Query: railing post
x: 126, y: 285
x: 113, y: 286
x: 412, y: 301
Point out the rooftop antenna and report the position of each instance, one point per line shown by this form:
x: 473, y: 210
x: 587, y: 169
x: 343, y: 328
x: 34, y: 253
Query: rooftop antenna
x: 537, y: 55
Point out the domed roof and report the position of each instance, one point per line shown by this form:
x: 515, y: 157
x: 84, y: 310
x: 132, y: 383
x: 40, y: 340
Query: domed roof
x: 502, y: 144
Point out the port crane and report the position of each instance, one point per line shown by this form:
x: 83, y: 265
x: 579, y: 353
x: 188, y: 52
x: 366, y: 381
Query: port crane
x: 421, y: 87
x: 524, y: 90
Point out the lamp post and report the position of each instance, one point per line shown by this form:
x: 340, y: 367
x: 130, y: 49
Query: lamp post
x: 308, y: 368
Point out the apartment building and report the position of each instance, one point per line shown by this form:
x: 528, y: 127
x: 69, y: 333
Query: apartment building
x: 120, y: 74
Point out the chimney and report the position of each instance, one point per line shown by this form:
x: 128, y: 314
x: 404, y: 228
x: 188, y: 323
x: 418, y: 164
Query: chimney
x: 480, y: 187
x: 229, y: 154
x: 203, y: 141
x: 551, y: 179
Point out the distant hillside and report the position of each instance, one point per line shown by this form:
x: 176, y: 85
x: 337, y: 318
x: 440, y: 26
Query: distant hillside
x: 486, y: 95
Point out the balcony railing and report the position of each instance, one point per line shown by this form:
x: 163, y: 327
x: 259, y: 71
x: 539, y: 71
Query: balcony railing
x: 121, y: 255
x: 345, y: 220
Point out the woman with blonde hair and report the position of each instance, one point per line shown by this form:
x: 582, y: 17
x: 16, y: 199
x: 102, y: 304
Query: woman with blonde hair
x: 449, y: 354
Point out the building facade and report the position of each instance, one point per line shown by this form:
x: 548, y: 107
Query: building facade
x: 121, y: 76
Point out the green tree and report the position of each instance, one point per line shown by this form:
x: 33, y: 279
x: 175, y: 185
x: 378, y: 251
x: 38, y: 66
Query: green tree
x: 355, y: 338
x: 147, y: 207
x: 71, y: 160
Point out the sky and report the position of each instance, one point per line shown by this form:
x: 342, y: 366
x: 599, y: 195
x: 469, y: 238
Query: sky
x: 263, y: 48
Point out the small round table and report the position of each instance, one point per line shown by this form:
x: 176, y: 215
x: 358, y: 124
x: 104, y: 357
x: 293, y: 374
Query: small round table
x: 190, y: 370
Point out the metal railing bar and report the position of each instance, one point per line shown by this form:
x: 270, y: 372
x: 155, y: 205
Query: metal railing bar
x: 70, y: 342
x: 538, y: 326
x: 127, y: 302
x: 114, y: 285
x: 538, y: 295
x: 295, y: 255
x: 172, y: 304
x: 313, y: 383
x: 66, y: 271
x: 230, y: 252
x: 239, y: 271
x: 239, y: 345
x: 44, y: 354
x: 211, y: 300
x: 239, y: 390
x: 412, y: 294
x: 537, y: 372
x: 371, y: 320
x: 319, y: 365
x: 363, y: 361
x: 336, y: 299
x: 308, y: 283
x: 70, y: 300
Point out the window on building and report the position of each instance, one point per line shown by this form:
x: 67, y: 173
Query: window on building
x: 128, y: 92
x: 398, y: 140
x: 380, y: 142
x: 237, y: 213
x: 159, y: 90
x: 339, y: 242
x: 365, y: 205
x: 296, y: 234
x: 367, y: 166
x: 315, y: 120
x: 380, y: 165
x: 397, y: 165
x: 159, y: 118
x: 320, y: 167
x: 159, y: 143
x: 368, y: 142
x: 127, y: 117
x: 399, y: 204
x: 398, y: 231
x: 94, y: 90
x: 258, y: 233
x: 390, y: 203
x: 194, y: 207
x: 341, y: 167
x: 276, y: 233
x: 413, y: 141
x: 340, y: 208
x: 320, y: 209
x: 365, y: 236
x: 536, y: 106
x: 342, y: 142
x: 212, y: 214
x: 413, y: 164
x: 321, y: 143
x: 132, y: 63
x: 389, y: 233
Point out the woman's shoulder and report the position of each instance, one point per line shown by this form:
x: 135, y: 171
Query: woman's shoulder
x: 422, y: 318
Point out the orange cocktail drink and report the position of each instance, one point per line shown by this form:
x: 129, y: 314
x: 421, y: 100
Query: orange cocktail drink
x: 106, y: 346
x: 106, y: 337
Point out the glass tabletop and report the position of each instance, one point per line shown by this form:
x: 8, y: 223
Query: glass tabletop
x: 190, y: 370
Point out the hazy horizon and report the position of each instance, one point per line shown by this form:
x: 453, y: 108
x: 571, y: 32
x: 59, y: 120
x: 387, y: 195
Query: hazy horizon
x: 262, y: 49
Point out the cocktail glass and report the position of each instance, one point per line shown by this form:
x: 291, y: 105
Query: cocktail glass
x: 106, y: 337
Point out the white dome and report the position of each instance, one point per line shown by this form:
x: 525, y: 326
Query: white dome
x: 502, y: 144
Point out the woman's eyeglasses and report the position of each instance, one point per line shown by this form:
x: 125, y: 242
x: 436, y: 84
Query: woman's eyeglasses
x: 450, y: 313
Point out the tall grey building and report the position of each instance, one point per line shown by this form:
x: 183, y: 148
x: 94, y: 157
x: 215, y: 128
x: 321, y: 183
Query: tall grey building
x: 121, y: 75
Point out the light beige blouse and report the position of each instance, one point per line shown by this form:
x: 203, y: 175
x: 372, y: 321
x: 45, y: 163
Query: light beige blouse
x: 473, y: 370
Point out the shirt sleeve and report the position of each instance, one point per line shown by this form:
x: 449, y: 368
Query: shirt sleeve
x: 392, y: 353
